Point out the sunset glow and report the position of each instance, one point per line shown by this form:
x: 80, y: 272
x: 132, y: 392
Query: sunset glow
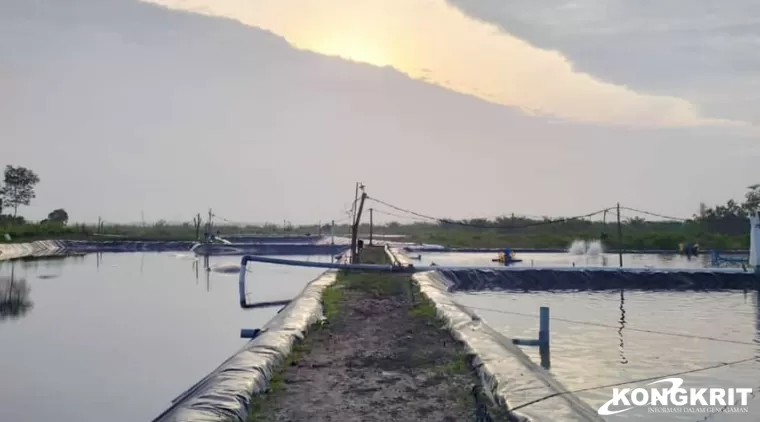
x: 429, y: 40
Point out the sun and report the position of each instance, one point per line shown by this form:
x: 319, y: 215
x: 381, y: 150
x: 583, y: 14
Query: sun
x: 356, y: 49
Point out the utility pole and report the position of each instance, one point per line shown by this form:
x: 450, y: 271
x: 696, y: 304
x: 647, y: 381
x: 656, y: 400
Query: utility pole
x: 332, y: 232
x: 355, y: 231
x: 353, y: 206
x: 370, y: 226
x: 620, y: 236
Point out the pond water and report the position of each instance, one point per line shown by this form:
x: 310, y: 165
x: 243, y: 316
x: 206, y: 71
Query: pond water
x: 601, y: 338
x: 118, y: 336
x: 541, y: 259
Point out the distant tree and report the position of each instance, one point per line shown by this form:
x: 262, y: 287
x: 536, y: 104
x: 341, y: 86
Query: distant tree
x: 58, y: 216
x: 19, y: 187
x: 702, y: 210
x: 752, y: 199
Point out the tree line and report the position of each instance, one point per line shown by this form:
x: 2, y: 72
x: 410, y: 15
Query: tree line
x: 720, y: 226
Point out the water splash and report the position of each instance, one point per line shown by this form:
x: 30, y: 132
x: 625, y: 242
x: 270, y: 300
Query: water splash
x: 582, y: 247
x: 594, y: 248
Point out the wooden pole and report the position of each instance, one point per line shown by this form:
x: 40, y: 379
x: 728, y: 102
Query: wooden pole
x: 355, y: 231
x: 353, y: 206
x: 620, y: 236
x: 370, y: 226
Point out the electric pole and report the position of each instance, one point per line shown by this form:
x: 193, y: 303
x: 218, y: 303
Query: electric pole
x: 355, y: 229
x: 353, y: 206
x: 370, y: 226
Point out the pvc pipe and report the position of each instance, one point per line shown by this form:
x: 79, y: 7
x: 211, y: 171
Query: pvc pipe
x: 543, y: 337
x: 241, y: 283
x: 249, y: 333
x: 526, y: 342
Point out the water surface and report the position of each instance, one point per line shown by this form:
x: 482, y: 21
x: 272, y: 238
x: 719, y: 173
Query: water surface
x: 601, y: 338
x: 117, y: 336
x: 565, y: 260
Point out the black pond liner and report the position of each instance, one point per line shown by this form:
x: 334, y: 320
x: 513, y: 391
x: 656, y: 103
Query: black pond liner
x: 539, y: 279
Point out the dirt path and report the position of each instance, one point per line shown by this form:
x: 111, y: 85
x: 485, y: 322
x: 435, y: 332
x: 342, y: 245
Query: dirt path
x: 381, y: 356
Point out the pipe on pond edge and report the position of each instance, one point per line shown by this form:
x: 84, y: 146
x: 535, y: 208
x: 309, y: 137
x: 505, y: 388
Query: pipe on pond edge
x: 507, y: 374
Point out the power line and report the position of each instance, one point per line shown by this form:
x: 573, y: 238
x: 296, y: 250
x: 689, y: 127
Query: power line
x: 390, y: 214
x: 402, y: 209
x: 653, y: 214
x: 641, y: 330
x: 481, y: 226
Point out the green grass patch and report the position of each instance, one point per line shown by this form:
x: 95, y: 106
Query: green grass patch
x: 331, y: 298
x: 375, y: 284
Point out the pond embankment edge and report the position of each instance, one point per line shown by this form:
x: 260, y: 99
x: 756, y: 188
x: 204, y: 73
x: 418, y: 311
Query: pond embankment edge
x: 39, y: 248
x: 226, y: 393
x: 509, y: 376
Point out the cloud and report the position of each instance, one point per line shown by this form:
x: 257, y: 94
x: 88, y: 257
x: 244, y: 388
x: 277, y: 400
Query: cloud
x: 704, y: 51
x: 433, y: 42
x: 123, y: 107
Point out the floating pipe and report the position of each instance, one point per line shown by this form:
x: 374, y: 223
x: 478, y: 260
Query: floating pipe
x: 249, y: 333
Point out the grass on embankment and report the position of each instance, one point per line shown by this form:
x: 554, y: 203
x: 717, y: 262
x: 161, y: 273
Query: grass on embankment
x: 381, y: 354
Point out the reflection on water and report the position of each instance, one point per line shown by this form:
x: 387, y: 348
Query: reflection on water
x: 657, y: 334
x: 623, y: 359
x: 123, y: 334
x: 14, y: 296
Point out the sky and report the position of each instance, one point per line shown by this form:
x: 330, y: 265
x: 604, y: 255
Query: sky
x: 271, y: 110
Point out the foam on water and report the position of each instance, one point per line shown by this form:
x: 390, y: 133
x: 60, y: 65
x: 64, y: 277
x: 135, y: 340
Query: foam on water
x: 583, y: 247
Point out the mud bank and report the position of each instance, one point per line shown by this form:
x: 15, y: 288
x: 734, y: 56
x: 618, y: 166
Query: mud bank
x: 511, y: 378
x: 527, y: 279
x: 381, y: 355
